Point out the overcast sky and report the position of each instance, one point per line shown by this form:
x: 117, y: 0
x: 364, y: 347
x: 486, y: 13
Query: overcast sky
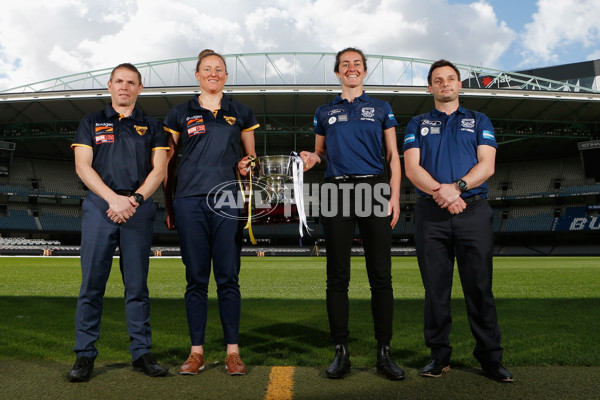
x: 43, y: 39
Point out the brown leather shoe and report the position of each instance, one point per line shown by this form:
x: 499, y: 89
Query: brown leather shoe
x: 234, y: 364
x: 193, y: 365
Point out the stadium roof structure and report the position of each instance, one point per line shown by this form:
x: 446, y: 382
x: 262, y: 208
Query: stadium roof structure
x: 534, y: 117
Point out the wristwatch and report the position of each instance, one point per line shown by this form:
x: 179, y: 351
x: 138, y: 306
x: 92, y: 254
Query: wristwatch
x: 138, y: 198
x: 461, y: 185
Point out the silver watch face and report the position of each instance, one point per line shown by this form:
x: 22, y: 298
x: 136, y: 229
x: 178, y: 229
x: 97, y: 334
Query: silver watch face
x: 462, y: 185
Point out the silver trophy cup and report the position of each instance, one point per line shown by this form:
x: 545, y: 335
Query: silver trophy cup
x: 275, y: 171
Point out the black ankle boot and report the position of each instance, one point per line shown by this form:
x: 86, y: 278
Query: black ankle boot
x: 386, y: 365
x: 341, y: 363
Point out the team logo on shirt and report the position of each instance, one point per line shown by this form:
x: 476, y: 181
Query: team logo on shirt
x: 368, y: 112
x: 467, y: 123
x: 230, y: 120
x: 141, y: 130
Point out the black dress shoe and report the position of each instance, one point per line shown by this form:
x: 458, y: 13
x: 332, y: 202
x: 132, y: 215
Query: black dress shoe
x: 82, y: 369
x: 148, y: 365
x: 498, y: 372
x: 341, y: 363
x: 435, y: 368
x: 387, y: 366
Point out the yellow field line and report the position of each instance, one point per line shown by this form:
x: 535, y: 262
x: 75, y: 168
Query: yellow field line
x: 280, y: 384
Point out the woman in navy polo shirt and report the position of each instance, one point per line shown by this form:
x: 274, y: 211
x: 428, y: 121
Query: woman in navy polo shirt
x: 350, y: 134
x: 212, y: 130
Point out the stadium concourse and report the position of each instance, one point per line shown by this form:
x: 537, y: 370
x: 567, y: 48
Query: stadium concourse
x: 545, y: 192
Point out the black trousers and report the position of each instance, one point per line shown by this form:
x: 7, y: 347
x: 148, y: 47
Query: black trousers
x: 376, y: 234
x: 440, y: 238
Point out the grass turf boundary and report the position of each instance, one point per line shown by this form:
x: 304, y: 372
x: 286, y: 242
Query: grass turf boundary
x: 47, y: 380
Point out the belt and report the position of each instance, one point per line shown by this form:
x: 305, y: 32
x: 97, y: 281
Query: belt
x: 352, y: 178
x: 127, y: 193
x: 473, y: 198
x: 467, y: 200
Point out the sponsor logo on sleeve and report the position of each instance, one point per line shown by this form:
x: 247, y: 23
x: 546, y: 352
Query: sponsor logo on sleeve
x: 489, y: 135
x: 409, y: 138
x: 391, y: 116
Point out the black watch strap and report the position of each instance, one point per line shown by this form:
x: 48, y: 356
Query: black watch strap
x: 138, y: 198
x: 461, y: 185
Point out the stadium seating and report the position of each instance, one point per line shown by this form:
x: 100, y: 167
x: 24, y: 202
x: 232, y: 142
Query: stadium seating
x: 45, y: 195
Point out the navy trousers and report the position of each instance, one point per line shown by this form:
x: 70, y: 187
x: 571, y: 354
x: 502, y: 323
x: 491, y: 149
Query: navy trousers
x: 206, y: 235
x: 99, y: 238
x: 440, y: 238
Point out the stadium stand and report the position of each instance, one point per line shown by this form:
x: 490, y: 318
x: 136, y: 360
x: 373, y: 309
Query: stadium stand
x: 528, y: 197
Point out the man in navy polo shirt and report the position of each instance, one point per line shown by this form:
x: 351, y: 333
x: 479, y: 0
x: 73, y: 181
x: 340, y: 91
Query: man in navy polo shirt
x: 449, y: 153
x: 120, y: 155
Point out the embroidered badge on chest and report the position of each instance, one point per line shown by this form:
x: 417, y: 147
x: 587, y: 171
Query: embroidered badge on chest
x: 230, y: 120
x: 467, y: 123
x: 368, y: 112
x: 141, y: 130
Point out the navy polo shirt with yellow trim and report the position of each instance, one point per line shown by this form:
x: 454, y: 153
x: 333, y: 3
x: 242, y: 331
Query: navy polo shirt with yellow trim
x: 448, y: 144
x: 354, y: 134
x: 210, y: 143
x: 122, y: 147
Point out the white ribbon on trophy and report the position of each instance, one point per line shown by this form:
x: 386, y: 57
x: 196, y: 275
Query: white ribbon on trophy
x: 298, y: 178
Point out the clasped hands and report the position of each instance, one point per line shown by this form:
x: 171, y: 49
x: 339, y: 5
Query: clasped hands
x: 121, y: 209
x: 447, y: 196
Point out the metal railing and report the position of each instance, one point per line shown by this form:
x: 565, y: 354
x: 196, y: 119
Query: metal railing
x: 303, y: 68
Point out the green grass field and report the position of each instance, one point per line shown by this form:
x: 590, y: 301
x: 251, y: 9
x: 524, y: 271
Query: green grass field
x: 549, y: 314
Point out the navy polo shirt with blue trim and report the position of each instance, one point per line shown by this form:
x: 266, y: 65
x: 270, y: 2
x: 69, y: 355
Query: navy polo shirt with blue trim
x: 448, y: 144
x: 122, y: 146
x: 211, y: 144
x: 354, y: 134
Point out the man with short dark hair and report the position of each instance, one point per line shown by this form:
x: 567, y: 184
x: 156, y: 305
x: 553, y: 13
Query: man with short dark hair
x: 120, y: 155
x: 449, y: 153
